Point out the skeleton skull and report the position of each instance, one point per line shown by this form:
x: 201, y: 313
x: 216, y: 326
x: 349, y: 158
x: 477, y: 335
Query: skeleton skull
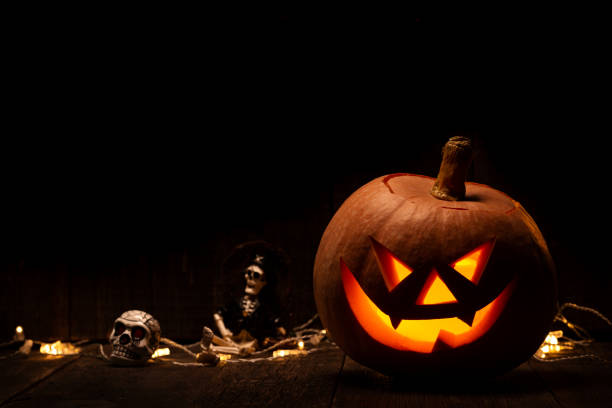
x: 255, y: 280
x: 134, y: 338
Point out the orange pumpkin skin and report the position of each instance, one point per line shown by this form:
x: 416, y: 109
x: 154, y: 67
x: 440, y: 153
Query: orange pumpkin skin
x: 398, y: 214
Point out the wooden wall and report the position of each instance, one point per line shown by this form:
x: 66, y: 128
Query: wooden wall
x: 134, y: 162
x: 68, y: 272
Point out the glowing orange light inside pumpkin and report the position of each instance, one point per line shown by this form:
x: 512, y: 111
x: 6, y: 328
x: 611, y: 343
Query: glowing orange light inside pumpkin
x: 419, y: 335
x: 393, y: 270
x: 473, y: 263
x: 435, y: 291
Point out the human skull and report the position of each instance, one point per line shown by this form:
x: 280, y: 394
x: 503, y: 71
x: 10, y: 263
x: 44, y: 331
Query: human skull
x: 255, y: 280
x: 134, y: 338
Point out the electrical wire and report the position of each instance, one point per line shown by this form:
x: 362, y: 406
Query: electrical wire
x: 175, y: 344
x: 308, y: 323
x: 569, y: 343
x: 313, y: 336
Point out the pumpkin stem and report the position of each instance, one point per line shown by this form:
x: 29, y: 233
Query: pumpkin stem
x: 456, y: 159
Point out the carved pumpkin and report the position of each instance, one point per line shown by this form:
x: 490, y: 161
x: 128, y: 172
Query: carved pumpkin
x: 415, y: 275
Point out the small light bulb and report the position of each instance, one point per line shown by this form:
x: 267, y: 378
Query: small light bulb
x: 301, y: 345
x: 161, y: 352
x: 224, y: 357
x: 557, y: 333
x: 19, y: 334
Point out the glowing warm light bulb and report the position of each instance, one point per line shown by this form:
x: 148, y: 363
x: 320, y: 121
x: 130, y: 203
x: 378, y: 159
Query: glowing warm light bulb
x: 19, y: 335
x: 284, y: 353
x: 301, y: 345
x: 557, y: 334
x: 58, y: 348
x: 553, y: 344
x: 161, y: 352
x: 224, y: 357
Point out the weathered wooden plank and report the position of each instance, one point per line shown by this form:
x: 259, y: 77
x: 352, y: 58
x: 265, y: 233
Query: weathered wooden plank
x: 359, y: 386
x: 17, y: 374
x: 583, y: 382
x: 306, y: 381
x: 315, y: 380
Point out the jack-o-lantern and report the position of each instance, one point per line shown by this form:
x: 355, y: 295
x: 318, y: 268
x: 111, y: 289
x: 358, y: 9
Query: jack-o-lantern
x: 416, y: 275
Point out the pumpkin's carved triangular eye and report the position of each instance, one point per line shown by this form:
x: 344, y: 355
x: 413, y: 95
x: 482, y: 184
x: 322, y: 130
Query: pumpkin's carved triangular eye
x: 472, y: 264
x: 393, y: 270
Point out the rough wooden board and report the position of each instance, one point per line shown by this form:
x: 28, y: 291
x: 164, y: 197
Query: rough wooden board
x: 359, y: 386
x: 583, y: 382
x: 306, y: 381
x: 17, y: 374
x: 321, y: 379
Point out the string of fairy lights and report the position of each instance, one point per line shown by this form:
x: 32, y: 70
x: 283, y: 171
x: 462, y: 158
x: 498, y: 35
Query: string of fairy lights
x: 559, y: 345
x: 305, y: 341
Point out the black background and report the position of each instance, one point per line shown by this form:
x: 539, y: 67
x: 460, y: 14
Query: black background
x: 160, y: 139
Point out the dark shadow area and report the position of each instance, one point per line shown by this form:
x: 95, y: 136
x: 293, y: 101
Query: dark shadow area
x: 140, y: 151
x: 520, y: 381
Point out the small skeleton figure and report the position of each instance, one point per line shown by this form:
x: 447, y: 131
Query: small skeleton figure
x: 134, y: 338
x: 251, y: 320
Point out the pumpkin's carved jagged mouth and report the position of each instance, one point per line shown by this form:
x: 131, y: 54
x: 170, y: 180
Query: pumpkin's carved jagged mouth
x: 423, y: 335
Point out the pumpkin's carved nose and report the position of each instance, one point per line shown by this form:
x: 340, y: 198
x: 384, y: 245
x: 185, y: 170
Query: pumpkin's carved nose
x: 405, y: 301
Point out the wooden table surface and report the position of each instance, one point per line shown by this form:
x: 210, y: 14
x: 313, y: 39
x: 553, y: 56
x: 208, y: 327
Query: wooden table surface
x: 323, y: 378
